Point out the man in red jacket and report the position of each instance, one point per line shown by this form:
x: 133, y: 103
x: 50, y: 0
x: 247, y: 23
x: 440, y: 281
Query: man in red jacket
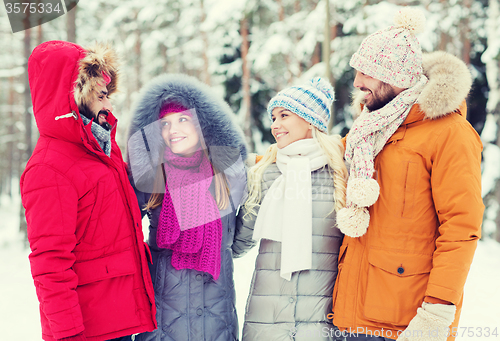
x: 88, y: 259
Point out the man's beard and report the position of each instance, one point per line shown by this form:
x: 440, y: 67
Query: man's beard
x: 85, y: 111
x: 380, y: 97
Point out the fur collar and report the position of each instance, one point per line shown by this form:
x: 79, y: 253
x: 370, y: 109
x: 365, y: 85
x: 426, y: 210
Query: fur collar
x: 449, y: 84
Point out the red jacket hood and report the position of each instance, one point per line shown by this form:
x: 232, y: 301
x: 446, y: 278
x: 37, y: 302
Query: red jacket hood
x: 53, y: 70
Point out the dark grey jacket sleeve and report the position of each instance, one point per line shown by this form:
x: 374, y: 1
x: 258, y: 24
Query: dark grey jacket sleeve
x: 243, y: 241
x: 245, y: 223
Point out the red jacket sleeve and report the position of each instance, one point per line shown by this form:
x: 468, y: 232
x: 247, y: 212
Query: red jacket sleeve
x: 51, y: 204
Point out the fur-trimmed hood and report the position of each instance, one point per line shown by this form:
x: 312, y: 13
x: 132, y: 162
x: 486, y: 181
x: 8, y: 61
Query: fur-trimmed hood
x: 449, y: 84
x: 223, y: 138
x: 100, y: 58
x: 53, y: 73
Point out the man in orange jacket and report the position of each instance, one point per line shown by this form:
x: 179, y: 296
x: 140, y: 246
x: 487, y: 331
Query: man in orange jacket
x: 414, y: 206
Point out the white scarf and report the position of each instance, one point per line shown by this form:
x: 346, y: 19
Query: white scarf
x: 285, y: 214
x: 366, y: 139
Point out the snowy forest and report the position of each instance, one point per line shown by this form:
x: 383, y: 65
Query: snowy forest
x: 248, y: 50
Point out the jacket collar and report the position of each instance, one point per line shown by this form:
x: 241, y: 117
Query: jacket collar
x: 416, y: 115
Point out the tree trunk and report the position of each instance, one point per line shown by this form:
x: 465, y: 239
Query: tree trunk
x: 10, y: 143
x: 71, y: 22
x: 326, y: 42
x: 281, y: 10
x: 247, y: 97
x: 316, y: 57
x: 138, y: 65
x: 444, y: 37
x: 163, y: 49
x: 492, y: 75
x: 497, y: 220
x: 27, y: 118
x: 465, y: 33
x: 4, y: 117
x: 39, y: 38
x: 27, y: 94
x: 327, y: 51
x: 497, y: 188
x: 288, y: 71
x: 204, y: 37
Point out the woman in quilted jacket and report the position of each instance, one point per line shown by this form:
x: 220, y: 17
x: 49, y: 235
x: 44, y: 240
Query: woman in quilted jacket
x: 294, y: 192
x: 186, y: 162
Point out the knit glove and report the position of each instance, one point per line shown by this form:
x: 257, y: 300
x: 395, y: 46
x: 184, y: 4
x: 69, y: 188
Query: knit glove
x: 431, y: 323
x: 77, y: 337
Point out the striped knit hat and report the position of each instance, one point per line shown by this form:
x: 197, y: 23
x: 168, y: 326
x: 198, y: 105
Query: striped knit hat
x: 393, y: 55
x: 311, y: 101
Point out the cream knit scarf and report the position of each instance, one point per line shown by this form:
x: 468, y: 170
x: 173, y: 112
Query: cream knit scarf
x: 285, y: 214
x: 367, y: 137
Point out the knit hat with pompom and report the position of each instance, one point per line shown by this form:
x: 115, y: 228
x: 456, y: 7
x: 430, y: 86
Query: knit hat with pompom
x: 393, y: 55
x: 311, y: 101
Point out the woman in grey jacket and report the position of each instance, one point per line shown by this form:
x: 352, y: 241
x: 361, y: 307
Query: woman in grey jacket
x: 293, y: 194
x: 186, y: 161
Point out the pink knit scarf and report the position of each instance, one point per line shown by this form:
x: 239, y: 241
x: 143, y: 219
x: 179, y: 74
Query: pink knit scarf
x: 190, y: 223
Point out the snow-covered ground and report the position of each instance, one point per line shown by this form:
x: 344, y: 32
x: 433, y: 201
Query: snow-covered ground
x: 19, y: 318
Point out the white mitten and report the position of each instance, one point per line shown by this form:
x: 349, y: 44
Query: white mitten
x: 431, y: 323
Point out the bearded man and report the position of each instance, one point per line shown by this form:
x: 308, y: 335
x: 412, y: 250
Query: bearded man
x: 88, y: 258
x: 414, y: 208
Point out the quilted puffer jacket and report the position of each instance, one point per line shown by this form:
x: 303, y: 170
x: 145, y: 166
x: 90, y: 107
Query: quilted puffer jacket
x: 88, y: 259
x: 191, y: 305
x: 426, y: 222
x: 278, y: 309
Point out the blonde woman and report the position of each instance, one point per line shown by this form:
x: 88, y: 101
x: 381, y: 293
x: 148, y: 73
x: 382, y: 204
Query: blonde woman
x: 294, y: 192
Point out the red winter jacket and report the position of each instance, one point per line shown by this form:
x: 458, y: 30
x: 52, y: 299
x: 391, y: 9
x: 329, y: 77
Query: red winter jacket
x: 88, y: 259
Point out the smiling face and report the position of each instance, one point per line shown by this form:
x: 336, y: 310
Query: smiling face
x: 288, y: 127
x: 101, y: 106
x: 377, y: 93
x: 180, y: 133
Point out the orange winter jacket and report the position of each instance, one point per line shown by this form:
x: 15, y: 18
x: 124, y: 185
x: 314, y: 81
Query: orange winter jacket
x: 426, y: 222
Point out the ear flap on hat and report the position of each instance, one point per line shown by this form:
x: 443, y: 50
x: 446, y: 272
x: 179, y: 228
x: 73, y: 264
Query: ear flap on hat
x: 100, y: 61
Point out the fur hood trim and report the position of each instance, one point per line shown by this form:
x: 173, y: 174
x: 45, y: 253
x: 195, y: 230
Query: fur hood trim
x: 99, y: 58
x: 224, y: 139
x: 449, y: 84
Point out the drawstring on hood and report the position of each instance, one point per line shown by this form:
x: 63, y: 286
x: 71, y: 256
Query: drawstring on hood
x: 71, y: 114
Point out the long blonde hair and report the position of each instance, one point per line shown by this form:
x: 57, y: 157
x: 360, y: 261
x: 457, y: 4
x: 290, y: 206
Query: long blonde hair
x: 334, y: 150
x: 220, y: 182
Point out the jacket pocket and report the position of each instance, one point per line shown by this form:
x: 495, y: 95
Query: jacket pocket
x: 396, y: 285
x: 106, y: 293
x: 410, y: 180
x: 95, y: 270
